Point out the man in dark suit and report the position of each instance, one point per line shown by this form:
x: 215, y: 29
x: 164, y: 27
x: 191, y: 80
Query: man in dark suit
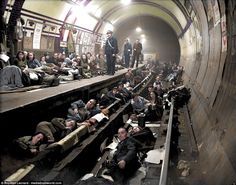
x: 111, y: 49
x: 127, y: 52
x: 125, y: 161
x: 137, y: 48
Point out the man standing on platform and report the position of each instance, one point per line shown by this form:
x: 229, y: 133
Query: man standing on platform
x: 127, y: 52
x: 111, y: 49
x: 137, y: 48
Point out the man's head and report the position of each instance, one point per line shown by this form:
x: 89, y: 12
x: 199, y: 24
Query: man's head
x: 136, y: 129
x: 122, y: 134
x: 120, y: 85
x: 91, y: 104
x: 135, y: 97
x: 37, y: 138
x: 70, y: 123
x: 114, y: 90
x: 109, y: 33
x: 55, y: 55
x: 157, y: 78
x: 150, y: 88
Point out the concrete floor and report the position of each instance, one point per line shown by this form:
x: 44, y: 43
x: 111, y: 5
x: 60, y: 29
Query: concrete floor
x: 175, y: 177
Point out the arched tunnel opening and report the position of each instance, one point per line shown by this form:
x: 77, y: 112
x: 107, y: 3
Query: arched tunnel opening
x: 159, y: 38
x: 198, y: 35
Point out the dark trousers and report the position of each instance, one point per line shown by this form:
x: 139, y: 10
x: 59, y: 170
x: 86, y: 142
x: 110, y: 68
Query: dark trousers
x: 110, y: 64
x: 121, y: 176
x: 135, y: 57
x: 127, y: 59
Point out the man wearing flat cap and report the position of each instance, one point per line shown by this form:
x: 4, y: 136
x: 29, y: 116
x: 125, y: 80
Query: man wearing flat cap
x: 111, y: 49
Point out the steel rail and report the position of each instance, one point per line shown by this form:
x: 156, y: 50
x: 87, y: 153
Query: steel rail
x: 165, y: 164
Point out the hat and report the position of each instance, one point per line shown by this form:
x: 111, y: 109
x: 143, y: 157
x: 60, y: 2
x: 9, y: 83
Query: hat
x: 109, y: 31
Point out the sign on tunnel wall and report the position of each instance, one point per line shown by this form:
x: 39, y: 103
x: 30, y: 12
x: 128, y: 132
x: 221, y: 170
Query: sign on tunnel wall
x: 37, y: 35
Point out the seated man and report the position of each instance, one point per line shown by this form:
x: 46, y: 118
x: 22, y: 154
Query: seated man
x: 125, y: 161
x: 139, y: 104
x: 30, y: 145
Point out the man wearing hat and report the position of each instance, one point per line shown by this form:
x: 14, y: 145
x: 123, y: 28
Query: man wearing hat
x: 111, y: 49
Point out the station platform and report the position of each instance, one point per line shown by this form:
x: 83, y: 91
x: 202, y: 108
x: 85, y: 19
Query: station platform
x: 30, y: 95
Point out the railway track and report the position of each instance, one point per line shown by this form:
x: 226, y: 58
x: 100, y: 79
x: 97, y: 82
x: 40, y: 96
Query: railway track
x: 80, y: 152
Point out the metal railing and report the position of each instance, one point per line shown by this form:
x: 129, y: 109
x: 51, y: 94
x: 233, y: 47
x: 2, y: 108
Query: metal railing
x: 165, y: 164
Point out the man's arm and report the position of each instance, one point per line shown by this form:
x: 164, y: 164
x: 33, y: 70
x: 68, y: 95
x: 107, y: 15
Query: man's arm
x: 131, y: 154
x: 115, y: 46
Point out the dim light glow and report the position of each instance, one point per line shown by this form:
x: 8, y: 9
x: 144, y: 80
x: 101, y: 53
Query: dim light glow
x: 87, y: 21
x: 143, y: 40
x: 98, y: 13
x: 138, y: 29
x: 143, y: 36
x: 125, y: 2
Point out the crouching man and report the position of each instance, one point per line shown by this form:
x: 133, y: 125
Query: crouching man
x: 125, y: 161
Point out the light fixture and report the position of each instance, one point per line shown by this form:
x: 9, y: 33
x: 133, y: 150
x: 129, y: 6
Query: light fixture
x: 138, y: 29
x: 143, y: 35
x: 125, y: 2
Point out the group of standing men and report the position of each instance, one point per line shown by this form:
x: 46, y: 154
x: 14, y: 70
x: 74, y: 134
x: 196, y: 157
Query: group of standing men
x: 111, y: 50
x: 137, y: 48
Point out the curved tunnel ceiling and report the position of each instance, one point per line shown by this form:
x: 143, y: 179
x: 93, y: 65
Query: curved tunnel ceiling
x: 166, y: 10
x: 116, y: 14
x: 112, y: 11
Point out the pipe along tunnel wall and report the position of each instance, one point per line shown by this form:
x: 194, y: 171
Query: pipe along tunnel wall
x: 210, y: 73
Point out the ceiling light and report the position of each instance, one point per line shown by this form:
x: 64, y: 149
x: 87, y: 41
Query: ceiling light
x: 125, y: 2
x: 138, y: 29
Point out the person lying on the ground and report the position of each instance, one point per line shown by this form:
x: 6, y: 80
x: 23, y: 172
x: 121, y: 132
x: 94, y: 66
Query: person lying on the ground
x: 30, y: 145
x: 96, y: 120
x: 142, y: 137
x: 57, y: 129
x: 79, y: 111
